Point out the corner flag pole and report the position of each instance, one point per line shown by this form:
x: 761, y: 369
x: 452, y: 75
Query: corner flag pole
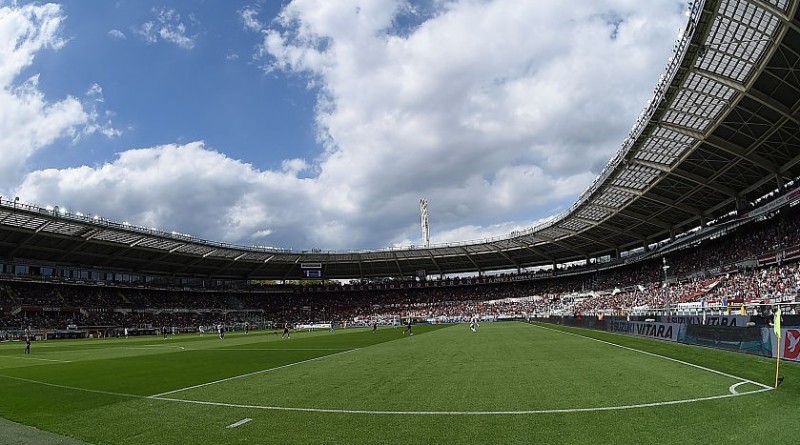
x: 778, y: 363
x: 777, y: 325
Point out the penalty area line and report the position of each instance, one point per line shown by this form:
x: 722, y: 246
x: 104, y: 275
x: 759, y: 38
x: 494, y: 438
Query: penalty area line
x: 652, y: 354
x: 396, y: 413
x: 459, y: 413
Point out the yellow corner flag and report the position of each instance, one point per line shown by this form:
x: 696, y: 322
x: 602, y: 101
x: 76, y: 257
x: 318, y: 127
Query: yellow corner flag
x: 777, y: 324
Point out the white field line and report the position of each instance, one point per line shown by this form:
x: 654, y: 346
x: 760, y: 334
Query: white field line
x: 273, y: 349
x: 398, y: 413
x: 714, y: 371
x: 102, y: 346
x: 733, y: 393
x: 239, y: 423
x: 462, y: 413
x: 733, y: 387
x: 249, y: 374
x: 146, y: 347
x: 34, y: 358
x: 72, y: 388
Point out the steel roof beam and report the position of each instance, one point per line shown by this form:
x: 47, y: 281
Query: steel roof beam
x: 397, y: 263
x: 644, y: 219
x: 30, y: 237
x: 557, y: 243
x: 654, y: 165
x: 595, y: 240
x: 469, y: 257
x: 740, y: 152
x: 535, y: 250
x: 630, y: 190
x: 227, y: 266
x: 439, y: 268
x: 705, y: 182
x: 503, y: 254
x: 162, y: 256
x: 771, y: 8
x: 750, y: 93
x: 672, y: 203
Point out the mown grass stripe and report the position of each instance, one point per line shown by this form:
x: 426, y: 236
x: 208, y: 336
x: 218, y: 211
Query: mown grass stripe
x: 386, y: 412
x: 652, y: 354
x: 249, y: 374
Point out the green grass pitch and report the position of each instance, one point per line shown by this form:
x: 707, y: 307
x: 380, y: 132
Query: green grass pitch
x: 508, y: 383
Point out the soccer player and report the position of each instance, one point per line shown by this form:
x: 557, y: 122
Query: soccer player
x: 408, y: 328
x: 202, y: 330
x: 374, y: 326
x: 27, y: 345
x: 286, y: 331
x: 473, y: 324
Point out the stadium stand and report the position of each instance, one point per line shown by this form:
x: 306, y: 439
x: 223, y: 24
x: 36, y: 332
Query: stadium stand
x: 753, y: 264
x: 697, y: 209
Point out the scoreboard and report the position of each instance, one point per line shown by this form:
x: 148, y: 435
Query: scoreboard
x: 311, y: 271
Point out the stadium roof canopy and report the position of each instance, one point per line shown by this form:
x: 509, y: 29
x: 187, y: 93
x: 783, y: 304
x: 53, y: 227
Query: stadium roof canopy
x: 722, y: 129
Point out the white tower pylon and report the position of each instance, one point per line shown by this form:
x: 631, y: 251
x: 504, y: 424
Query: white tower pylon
x: 426, y: 228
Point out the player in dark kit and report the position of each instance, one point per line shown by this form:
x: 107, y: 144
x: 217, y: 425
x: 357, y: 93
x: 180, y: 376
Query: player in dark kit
x: 374, y: 326
x: 286, y: 331
x: 27, y: 345
x: 408, y: 328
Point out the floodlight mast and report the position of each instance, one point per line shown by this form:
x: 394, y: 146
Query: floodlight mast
x: 426, y: 228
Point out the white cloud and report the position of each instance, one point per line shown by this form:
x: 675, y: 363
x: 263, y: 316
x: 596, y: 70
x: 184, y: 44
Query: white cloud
x: 493, y: 111
x: 117, y: 34
x: 469, y: 233
x: 23, y: 32
x: 95, y: 93
x: 29, y: 121
x: 249, y: 17
x: 503, y: 108
x: 294, y: 166
x: 168, y: 27
x: 188, y: 188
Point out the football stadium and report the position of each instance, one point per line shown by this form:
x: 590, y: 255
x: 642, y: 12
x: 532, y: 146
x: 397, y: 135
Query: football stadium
x: 663, y: 306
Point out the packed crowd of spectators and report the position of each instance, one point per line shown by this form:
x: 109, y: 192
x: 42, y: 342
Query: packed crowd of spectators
x: 708, y: 271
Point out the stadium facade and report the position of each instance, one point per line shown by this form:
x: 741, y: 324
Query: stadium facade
x: 721, y: 131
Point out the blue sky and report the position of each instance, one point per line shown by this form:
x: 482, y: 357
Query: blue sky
x: 162, y: 91
x: 319, y: 124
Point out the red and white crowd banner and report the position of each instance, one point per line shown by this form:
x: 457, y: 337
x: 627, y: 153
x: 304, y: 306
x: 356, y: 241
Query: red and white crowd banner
x: 790, y: 344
